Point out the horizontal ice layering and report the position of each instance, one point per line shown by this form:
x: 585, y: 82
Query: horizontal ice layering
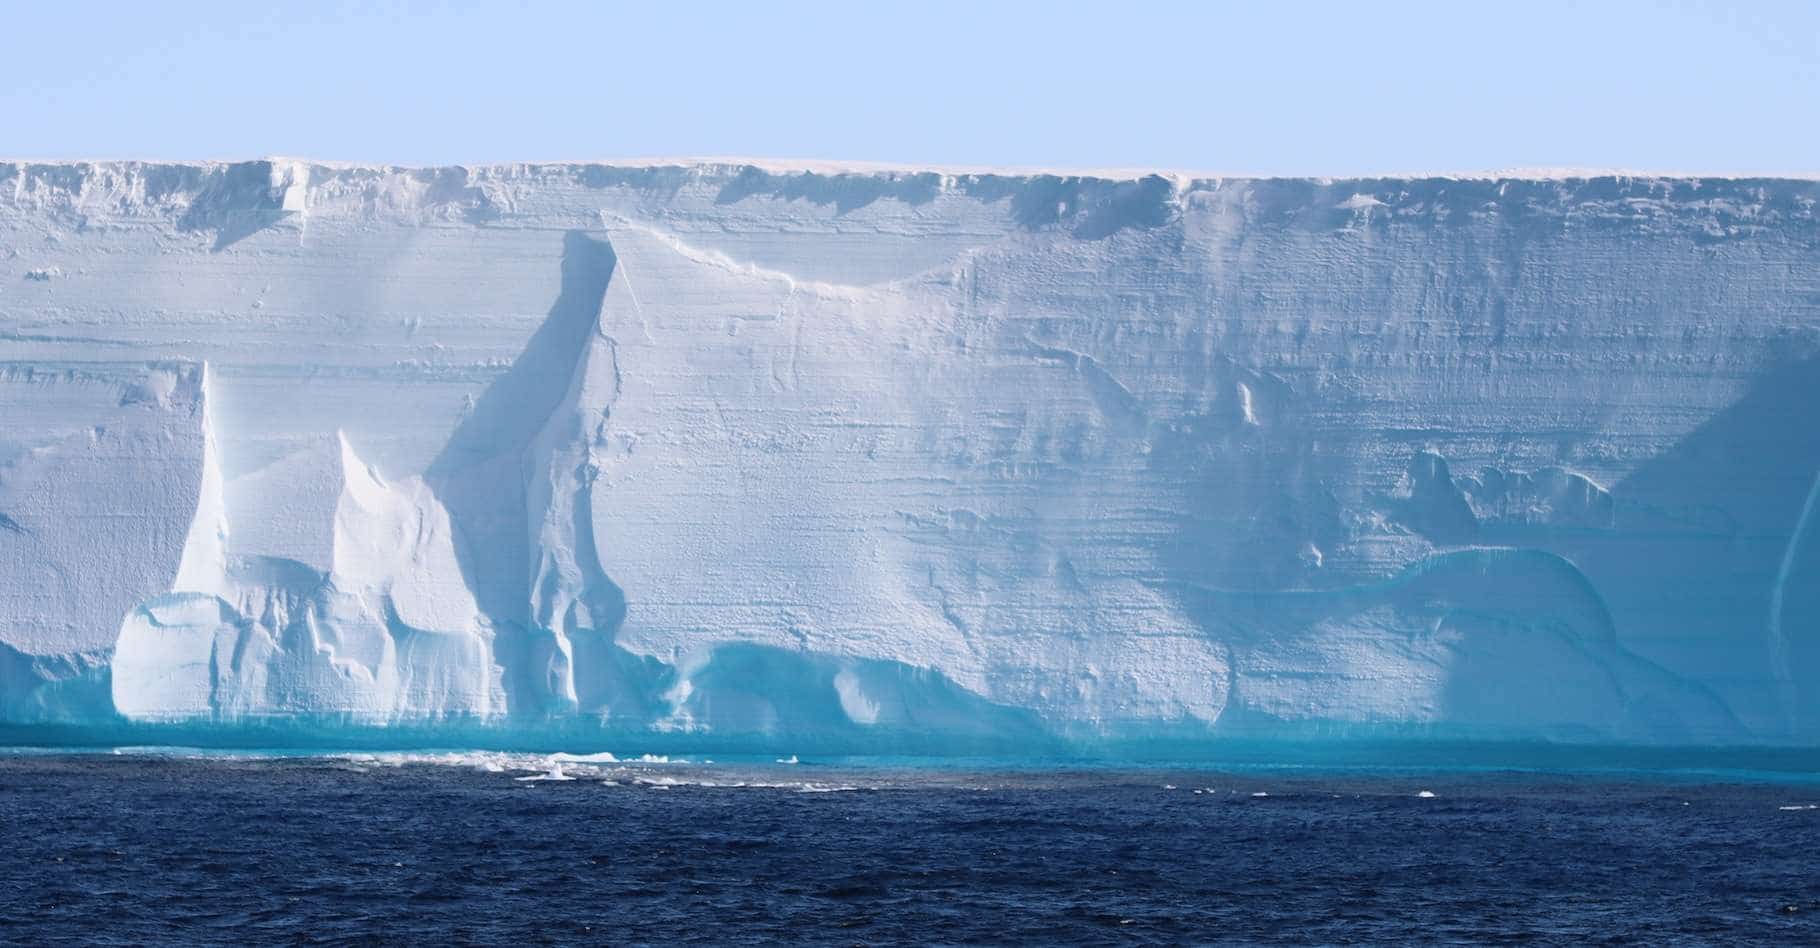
x: 860, y: 458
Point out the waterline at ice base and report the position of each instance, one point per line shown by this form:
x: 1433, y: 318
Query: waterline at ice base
x: 900, y: 461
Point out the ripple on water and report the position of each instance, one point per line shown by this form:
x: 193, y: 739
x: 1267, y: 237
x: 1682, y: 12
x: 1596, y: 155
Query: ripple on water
x: 447, y: 848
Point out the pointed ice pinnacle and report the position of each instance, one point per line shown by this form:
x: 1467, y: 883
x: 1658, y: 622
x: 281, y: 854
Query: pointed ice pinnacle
x: 516, y: 476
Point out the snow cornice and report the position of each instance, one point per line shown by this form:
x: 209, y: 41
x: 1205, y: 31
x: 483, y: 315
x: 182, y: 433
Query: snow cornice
x: 716, y: 166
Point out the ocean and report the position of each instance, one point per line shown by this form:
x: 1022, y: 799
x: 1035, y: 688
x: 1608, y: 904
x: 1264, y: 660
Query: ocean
x: 166, y: 846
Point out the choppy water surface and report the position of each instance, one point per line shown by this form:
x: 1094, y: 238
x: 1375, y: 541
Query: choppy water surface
x: 165, y: 847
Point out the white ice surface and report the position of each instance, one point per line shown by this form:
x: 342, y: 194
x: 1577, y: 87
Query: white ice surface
x: 718, y: 447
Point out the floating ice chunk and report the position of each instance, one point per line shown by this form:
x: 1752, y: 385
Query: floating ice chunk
x: 555, y: 773
x: 603, y: 757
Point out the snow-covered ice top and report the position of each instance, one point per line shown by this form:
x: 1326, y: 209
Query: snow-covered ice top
x: 857, y: 457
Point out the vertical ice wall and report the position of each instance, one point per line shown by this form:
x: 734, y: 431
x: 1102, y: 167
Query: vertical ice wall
x: 103, y: 468
x: 856, y: 455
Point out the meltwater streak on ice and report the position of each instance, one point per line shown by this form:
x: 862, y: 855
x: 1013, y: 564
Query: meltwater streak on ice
x: 899, y: 462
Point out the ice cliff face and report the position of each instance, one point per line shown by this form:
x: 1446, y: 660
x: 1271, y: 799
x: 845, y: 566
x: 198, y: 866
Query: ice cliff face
x: 719, y: 450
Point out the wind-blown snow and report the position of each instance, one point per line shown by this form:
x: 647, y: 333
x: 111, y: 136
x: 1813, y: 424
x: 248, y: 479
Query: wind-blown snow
x: 854, y: 457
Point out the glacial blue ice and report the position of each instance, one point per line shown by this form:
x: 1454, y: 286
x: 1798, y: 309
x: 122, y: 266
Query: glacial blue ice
x: 724, y: 454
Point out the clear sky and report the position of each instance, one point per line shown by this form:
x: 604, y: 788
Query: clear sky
x: 1269, y: 86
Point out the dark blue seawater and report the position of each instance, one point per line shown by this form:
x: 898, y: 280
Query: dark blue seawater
x: 167, y: 848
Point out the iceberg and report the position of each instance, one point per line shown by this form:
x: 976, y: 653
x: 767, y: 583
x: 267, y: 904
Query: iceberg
x: 775, y: 457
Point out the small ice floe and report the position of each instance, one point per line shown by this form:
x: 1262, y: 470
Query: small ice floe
x: 601, y: 758
x: 1426, y: 794
x: 1169, y: 786
x: 492, y: 762
x: 1260, y: 793
x: 555, y: 773
x: 789, y: 760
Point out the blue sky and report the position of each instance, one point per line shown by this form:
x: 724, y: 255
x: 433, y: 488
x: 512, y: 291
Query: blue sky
x: 1263, y: 87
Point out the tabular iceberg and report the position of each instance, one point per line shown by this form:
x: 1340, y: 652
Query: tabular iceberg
x: 783, y: 455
